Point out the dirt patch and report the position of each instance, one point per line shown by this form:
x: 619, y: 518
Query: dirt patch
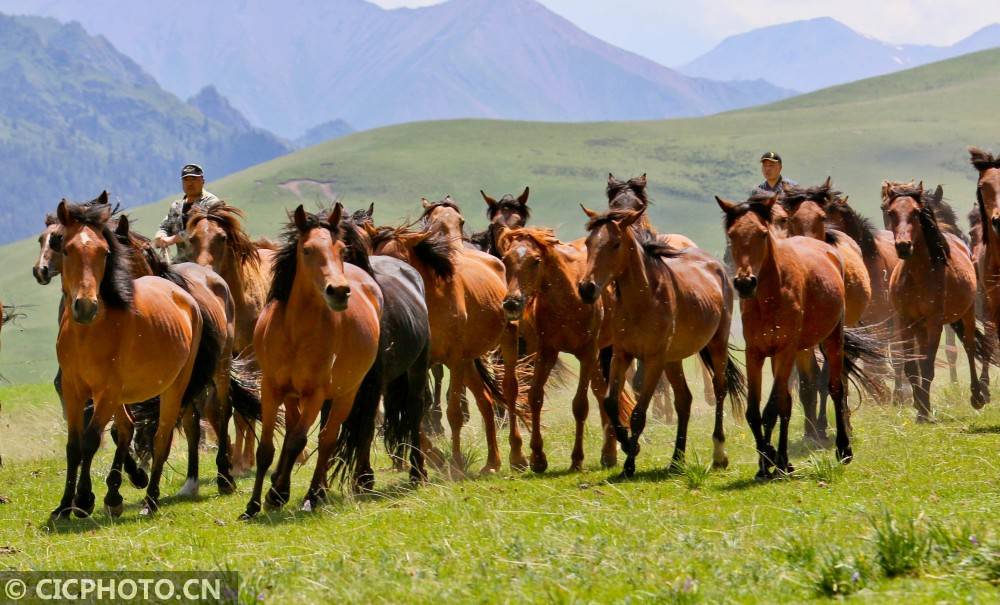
x: 302, y: 188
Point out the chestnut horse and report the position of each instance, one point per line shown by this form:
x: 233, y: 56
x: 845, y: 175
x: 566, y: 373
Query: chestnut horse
x: 316, y: 340
x: 217, y: 240
x: 669, y: 305
x: 792, y: 300
x: 465, y: 289
x: 807, y: 216
x: 542, y: 275
x: 988, y: 254
x: 933, y: 285
x: 123, y: 340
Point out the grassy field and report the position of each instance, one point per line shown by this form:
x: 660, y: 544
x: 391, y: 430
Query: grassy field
x: 912, y: 124
x: 930, y: 492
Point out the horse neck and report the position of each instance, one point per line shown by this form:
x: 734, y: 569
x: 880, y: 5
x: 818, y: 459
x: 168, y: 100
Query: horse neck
x: 305, y: 301
x: 770, y: 276
x: 920, y: 259
x: 636, y: 282
x: 558, y: 280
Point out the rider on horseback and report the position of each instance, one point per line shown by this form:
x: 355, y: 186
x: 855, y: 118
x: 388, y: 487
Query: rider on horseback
x: 171, y: 229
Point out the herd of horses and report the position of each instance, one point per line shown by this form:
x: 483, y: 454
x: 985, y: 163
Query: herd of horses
x: 343, y: 321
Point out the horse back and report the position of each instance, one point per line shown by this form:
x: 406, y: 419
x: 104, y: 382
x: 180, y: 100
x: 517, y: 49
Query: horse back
x: 405, y: 328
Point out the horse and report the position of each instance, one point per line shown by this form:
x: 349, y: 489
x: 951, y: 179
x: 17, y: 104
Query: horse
x: 670, y: 304
x: 403, y: 355
x: 316, y: 341
x: 933, y: 285
x: 508, y: 212
x: 792, y: 299
x: 465, y: 289
x: 807, y: 216
x: 217, y: 240
x: 542, y: 274
x: 987, y: 253
x: 124, y: 340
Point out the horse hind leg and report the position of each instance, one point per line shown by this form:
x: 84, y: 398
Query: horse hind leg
x: 718, y: 356
x: 508, y: 345
x: 192, y: 432
x: 951, y: 354
x: 833, y: 350
x: 779, y: 407
x: 475, y: 383
x: 805, y: 362
x: 967, y: 329
x: 122, y: 435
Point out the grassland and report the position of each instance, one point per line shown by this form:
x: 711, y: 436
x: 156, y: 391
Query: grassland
x: 687, y: 538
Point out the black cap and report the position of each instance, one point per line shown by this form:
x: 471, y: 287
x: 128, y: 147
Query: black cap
x: 192, y: 170
x: 770, y: 156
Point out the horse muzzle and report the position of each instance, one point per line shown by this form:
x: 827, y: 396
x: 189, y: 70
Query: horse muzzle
x: 42, y: 274
x: 995, y: 221
x: 588, y: 291
x: 337, y: 297
x: 84, y: 310
x: 513, y: 307
x: 746, y: 285
x: 904, y: 249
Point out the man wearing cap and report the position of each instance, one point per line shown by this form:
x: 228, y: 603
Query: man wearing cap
x: 171, y: 229
x: 770, y: 166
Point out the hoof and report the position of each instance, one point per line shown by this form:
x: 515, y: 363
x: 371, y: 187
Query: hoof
x: 488, y: 470
x: 83, y: 505
x: 769, y: 453
x: 978, y: 403
x: 539, y: 464
x: 189, y: 489
x: 609, y: 460
x: 763, y: 476
x: 114, y: 510
x: 60, y: 513
x: 925, y: 419
x: 518, y: 463
x: 628, y: 469
x: 139, y: 479
x: 576, y: 466
x: 307, y: 506
x: 721, y: 464
x: 227, y: 485
x: 845, y: 455
x: 252, y: 509
x: 273, y: 502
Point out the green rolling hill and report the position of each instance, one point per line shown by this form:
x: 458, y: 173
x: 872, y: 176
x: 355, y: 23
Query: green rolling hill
x: 912, y: 124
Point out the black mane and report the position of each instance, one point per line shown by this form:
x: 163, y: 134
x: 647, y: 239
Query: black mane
x: 937, y: 243
x: 860, y: 229
x: 823, y: 194
x: 756, y: 204
x: 630, y: 194
x: 285, y: 262
x: 435, y: 250
x: 646, y: 238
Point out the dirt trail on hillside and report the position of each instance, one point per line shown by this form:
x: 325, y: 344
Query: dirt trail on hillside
x: 299, y: 188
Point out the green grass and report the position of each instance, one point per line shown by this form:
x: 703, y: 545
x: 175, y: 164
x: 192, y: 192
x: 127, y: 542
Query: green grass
x: 563, y: 537
x: 912, y: 124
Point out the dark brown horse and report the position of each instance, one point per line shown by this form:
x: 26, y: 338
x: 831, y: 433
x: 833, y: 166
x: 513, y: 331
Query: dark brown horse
x: 316, y: 341
x: 792, y: 299
x: 934, y: 285
x: 987, y: 253
x: 670, y: 304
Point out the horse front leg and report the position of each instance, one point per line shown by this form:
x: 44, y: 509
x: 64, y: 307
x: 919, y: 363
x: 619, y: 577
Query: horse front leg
x: 682, y: 405
x: 979, y: 392
x: 270, y: 400
x: 779, y: 407
x: 105, y: 406
x: 509, y: 352
x: 637, y: 420
x: 581, y: 404
x: 928, y: 340
x: 191, y: 422
x: 544, y: 363
x: 122, y: 435
x: 755, y: 374
x: 170, y: 409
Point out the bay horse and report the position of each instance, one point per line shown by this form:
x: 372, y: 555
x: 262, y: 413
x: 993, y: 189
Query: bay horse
x: 670, y: 304
x: 218, y: 240
x: 542, y: 297
x: 123, y: 340
x: 987, y: 254
x: 807, y: 208
x: 933, y: 285
x: 403, y: 355
x: 792, y: 299
x: 508, y: 212
x: 465, y: 289
x: 316, y: 341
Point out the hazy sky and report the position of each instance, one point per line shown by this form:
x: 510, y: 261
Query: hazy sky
x: 673, y: 32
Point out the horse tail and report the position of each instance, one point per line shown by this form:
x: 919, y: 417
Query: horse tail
x: 983, y: 351
x: 736, y: 382
x: 244, y: 388
x: 358, y: 430
x: 206, y: 359
x: 862, y: 349
x: 483, y: 368
x: 145, y: 420
x: 405, y: 401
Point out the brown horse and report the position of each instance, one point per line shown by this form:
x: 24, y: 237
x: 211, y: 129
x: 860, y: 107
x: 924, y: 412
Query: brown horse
x: 217, y: 240
x: 465, y: 289
x: 316, y: 340
x: 987, y: 253
x: 933, y: 285
x: 792, y: 299
x: 542, y: 277
x: 806, y: 208
x: 670, y: 304
x: 123, y: 340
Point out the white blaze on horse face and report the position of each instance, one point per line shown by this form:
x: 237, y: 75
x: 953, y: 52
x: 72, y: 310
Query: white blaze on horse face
x: 84, y: 238
x: 522, y: 251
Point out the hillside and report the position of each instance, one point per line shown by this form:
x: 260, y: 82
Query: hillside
x: 351, y: 60
x: 913, y: 124
x: 816, y: 53
x: 77, y: 115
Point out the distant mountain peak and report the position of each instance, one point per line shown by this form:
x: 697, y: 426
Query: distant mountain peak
x: 210, y: 102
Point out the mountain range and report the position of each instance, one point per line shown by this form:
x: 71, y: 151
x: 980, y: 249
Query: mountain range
x: 77, y: 116
x: 291, y: 65
x: 817, y: 53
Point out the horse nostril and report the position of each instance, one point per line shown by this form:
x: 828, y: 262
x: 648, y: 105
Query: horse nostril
x: 745, y: 285
x: 338, y: 295
x: 84, y: 310
x: 511, y: 304
x: 587, y: 291
x: 903, y: 249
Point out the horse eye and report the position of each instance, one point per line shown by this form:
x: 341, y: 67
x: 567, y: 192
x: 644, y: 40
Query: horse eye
x: 55, y: 242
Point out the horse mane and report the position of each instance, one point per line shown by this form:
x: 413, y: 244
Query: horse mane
x: 116, y: 287
x: 634, y: 187
x: 645, y: 237
x: 937, y: 243
x: 860, y: 229
x: 230, y: 218
x: 794, y: 195
x: 756, y: 204
x: 977, y: 218
x: 932, y: 227
x: 447, y: 202
x: 507, y: 201
x: 285, y: 264
x: 983, y: 160
x: 355, y: 238
x: 946, y: 216
x: 51, y: 219
x: 542, y: 237
x: 435, y: 250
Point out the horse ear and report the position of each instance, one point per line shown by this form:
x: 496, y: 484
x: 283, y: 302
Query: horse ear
x: 885, y: 190
x: 103, y: 198
x: 828, y: 183
x: 335, y: 215
x: 489, y: 201
x: 122, y: 227
x: 590, y: 213
x: 62, y: 212
x: 299, y: 216
x: 641, y: 181
x: 727, y: 207
x: 425, y: 203
x: 939, y: 194
x: 370, y: 213
x: 523, y: 198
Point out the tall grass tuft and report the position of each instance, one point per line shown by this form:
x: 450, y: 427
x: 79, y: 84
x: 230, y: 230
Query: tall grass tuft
x: 835, y: 573
x: 902, y: 546
x: 821, y: 468
x: 694, y: 472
